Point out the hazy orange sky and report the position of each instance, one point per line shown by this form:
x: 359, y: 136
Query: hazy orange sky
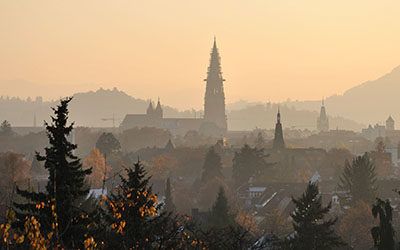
x: 271, y: 49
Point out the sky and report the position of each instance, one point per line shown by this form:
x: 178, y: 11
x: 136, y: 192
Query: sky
x: 272, y: 50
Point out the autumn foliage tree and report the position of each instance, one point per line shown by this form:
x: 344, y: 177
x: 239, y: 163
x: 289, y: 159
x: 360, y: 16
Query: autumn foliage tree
x: 100, y: 169
x: 132, y: 210
x: 355, y: 226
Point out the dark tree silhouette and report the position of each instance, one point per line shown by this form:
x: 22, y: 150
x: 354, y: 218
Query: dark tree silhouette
x: 5, y: 129
x: 383, y: 234
x: 220, y: 216
x: 66, y: 185
x: 107, y: 144
x: 311, y: 230
x: 359, y: 179
x: 212, y: 166
x: 169, y: 202
x: 248, y: 162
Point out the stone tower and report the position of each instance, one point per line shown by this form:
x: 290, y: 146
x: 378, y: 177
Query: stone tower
x: 278, y: 143
x: 214, y: 100
x: 323, y: 121
x: 390, y: 124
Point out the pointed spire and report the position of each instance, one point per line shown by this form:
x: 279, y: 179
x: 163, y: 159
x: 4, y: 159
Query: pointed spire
x: 214, y: 100
x: 278, y: 142
x: 322, y: 120
x: 158, y: 110
x: 150, y: 108
x: 278, y: 116
x: 169, y: 146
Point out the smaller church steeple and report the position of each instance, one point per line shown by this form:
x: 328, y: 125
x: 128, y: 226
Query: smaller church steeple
x: 158, y: 111
x: 323, y: 121
x: 278, y: 143
x: 150, y: 108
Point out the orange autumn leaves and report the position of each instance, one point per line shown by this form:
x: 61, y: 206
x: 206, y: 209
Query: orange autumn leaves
x: 100, y: 169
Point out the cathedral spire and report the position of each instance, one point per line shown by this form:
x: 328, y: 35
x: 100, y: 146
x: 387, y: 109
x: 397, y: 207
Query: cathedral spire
x: 214, y: 100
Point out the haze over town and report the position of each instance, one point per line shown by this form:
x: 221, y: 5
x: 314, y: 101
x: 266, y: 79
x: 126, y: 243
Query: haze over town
x: 250, y: 125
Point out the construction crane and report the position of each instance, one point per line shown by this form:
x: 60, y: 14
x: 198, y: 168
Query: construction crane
x: 113, y: 119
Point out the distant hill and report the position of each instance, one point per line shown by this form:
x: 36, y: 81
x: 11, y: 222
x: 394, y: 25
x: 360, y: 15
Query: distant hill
x: 90, y: 108
x: 87, y: 109
x: 369, y: 102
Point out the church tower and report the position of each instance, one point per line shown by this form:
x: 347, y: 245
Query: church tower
x: 278, y: 143
x: 150, y: 109
x: 158, y: 112
x: 323, y: 121
x: 214, y: 100
x: 390, y: 123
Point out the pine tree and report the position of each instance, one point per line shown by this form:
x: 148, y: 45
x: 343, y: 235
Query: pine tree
x: 359, y: 179
x: 248, y: 162
x: 220, y: 216
x: 132, y: 210
x: 212, y: 166
x: 312, y: 232
x: 383, y: 234
x: 169, y: 202
x: 66, y: 185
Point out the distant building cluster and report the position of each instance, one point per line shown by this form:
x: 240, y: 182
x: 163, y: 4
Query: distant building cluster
x: 377, y: 131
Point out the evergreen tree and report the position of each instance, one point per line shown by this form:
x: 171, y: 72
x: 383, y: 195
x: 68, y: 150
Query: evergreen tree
x: 66, y: 186
x: 5, y: 129
x: 220, y: 216
x: 248, y: 162
x: 359, y: 179
x: 132, y: 210
x: 107, y: 144
x: 383, y: 234
x: 312, y: 232
x: 169, y: 202
x: 212, y: 166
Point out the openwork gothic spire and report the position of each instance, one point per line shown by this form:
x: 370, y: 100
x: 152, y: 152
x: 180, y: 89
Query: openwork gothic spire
x: 214, y: 100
